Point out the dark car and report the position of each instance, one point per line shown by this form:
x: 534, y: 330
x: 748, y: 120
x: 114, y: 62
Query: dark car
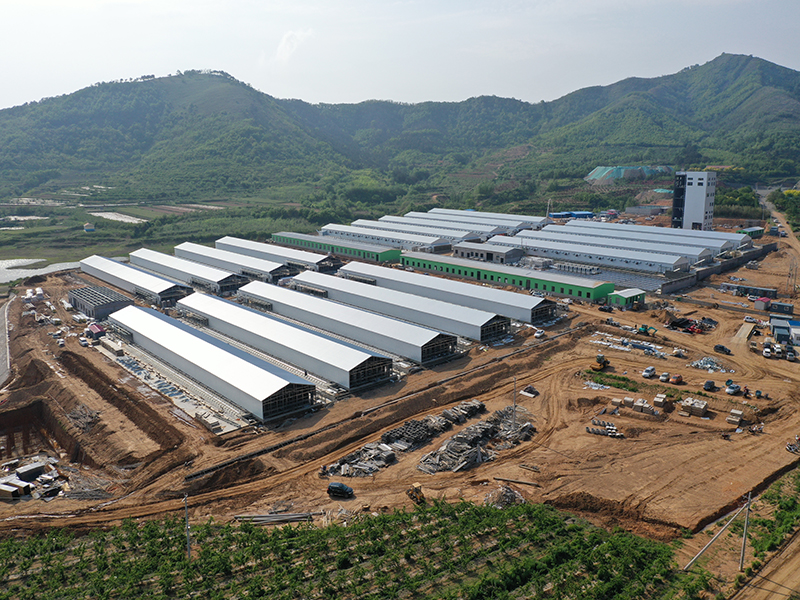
x: 606, y: 308
x: 721, y: 348
x: 709, y: 386
x: 339, y: 490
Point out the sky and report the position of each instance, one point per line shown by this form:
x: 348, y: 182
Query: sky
x: 347, y: 51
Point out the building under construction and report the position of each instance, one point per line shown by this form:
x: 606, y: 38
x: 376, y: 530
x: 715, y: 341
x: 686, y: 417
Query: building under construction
x: 151, y: 288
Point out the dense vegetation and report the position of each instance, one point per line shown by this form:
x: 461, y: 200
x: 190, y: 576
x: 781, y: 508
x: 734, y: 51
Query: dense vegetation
x: 443, y: 551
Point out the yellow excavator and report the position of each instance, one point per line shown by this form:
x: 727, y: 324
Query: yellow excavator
x: 601, y: 362
x: 415, y: 493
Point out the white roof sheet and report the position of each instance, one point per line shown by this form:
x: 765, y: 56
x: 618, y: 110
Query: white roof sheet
x: 464, y: 218
x: 337, y: 353
x: 448, y: 234
x: 657, y: 235
x: 480, y: 228
x: 650, y: 257
x: 530, y: 219
x: 232, y: 260
x: 402, y: 300
x: 739, y: 238
x: 401, y: 330
x: 151, y: 258
x: 422, y: 240
x: 628, y: 293
x: 254, y: 377
x: 323, y: 240
x: 137, y: 278
x: 511, y: 271
x: 269, y: 251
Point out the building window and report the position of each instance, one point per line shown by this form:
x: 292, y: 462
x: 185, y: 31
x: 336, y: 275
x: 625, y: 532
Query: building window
x: 580, y: 293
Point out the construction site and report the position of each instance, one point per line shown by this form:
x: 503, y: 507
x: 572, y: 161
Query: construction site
x: 568, y: 414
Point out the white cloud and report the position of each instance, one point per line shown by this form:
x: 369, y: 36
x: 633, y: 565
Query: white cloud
x: 290, y: 43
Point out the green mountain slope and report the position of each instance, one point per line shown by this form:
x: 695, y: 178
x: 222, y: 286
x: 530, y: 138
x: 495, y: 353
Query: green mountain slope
x: 204, y: 134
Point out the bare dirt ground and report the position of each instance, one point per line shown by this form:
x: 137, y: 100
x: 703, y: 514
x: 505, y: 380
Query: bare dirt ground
x: 669, y: 473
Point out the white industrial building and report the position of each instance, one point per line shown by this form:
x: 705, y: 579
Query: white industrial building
x: 334, y: 360
x: 192, y: 273
x: 395, y: 239
x: 635, y: 237
x: 481, y: 230
x: 291, y: 257
x: 740, y: 240
x: 420, y: 344
x: 255, y: 385
x: 530, y: 220
x: 693, y: 200
x: 241, y: 264
x: 471, y: 323
x: 692, y: 253
x: 150, y: 288
x: 612, y: 258
x: 504, y: 255
x: 518, y: 306
x: 507, y: 227
x: 452, y: 235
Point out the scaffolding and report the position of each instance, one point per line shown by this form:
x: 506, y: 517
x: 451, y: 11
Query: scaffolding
x: 494, y: 328
x: 440, y: 347
x: 293, y: 398
x: 375, y: 370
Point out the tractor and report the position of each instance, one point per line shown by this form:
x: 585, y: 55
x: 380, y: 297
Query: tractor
x: 601, y: 362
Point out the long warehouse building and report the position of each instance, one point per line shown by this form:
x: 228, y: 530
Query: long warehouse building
x: 481, y: 230
x: 614, y: 258
x: 521, y: 307
x: 150, y: 288
x: 297, y: 259
x: 337, y: 247
x: 255, y: 385
x: 343, y: 363
x: 466, y: 322
x: 506, y: 226
x: 420, y: 344
x: 557, y: 284
x: 452, y: 235
x: 692, y: 253
x: 241, y: 264
x: 530, y: 220
x: 635, y: 237
x: 395, y: 239
x: 192, y: 273
x: 739, y: 239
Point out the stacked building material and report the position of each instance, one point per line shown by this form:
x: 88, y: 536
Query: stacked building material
x: 735, y: 418
x: 695, y: 406
x: 628, y: 402
x: 641, y: 405
x: 616, y: 402
x: 660, y: 400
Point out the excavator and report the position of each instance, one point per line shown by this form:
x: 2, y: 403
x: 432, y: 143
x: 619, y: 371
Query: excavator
x: 415, y: 493
x: 601, y: 362
x: 646, y: 329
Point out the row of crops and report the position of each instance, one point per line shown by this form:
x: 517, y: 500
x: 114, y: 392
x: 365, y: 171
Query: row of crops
x: 445, y: 550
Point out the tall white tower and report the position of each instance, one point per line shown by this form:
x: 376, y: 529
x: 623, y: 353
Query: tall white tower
x: 693, y: 200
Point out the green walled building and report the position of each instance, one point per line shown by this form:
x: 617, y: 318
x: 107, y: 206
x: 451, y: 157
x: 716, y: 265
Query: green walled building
x: 553, y: 283
x: 337, y: 246
x: 627, y: 298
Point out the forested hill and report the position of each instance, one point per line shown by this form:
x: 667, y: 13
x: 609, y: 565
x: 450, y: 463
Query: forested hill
x: 205, y: 134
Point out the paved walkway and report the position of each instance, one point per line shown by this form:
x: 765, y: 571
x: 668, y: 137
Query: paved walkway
x: 5, y: 355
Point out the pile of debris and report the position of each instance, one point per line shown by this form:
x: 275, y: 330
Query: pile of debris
x: 468, y: 448
x: 412, y: 434
x: 502, y: 497
x: 710, y: 364
x: 83, y: 417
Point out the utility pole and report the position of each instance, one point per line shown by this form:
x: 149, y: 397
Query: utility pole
x: 188, y: 539
x: 713, y: 539
x: 744, y: 535
x: 514, y: 417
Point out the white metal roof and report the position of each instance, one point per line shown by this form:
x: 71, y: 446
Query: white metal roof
x: 506, y: 224
x: 269, y: 251
x: 484, y: 247
x: 136, y: 278
x: 628, y: 293
x: 224, y: 258
x: 382, y: 234
x: 479, y: 228
x: 401, y: 300
x: 659, y: 235
x: 466, y: 263
x: 693, y: 253
x: 323, y: 240
x: 447, y: 234
x: 349, y: 316
x: 529, y: 219
x: 254, y: 378
x: 669, y: 260
x: 187, y: 269
x: 277, y: 332
x: 511, y: 304
x: 738, y: 238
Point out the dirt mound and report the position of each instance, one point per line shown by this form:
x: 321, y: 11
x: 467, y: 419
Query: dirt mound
x: 34, y: 372
x: 234, y: 474
x: 35, y: 280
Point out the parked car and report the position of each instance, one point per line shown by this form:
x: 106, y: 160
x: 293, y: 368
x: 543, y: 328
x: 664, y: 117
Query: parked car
x: 649, y: 372
x: 83, y: 341
x: 340, y: 490
x: 664, y: 378
x: 749, y: 319
x: 606, y: 308
x: 722, y: 349
x: 709, y: 386
x: 539, y: 333
x: 752, y: 298
x: 676, y: 379
x: 791, y: 356
x: 733, y: 389
x: 766, y: 353
x: 777, y: 351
